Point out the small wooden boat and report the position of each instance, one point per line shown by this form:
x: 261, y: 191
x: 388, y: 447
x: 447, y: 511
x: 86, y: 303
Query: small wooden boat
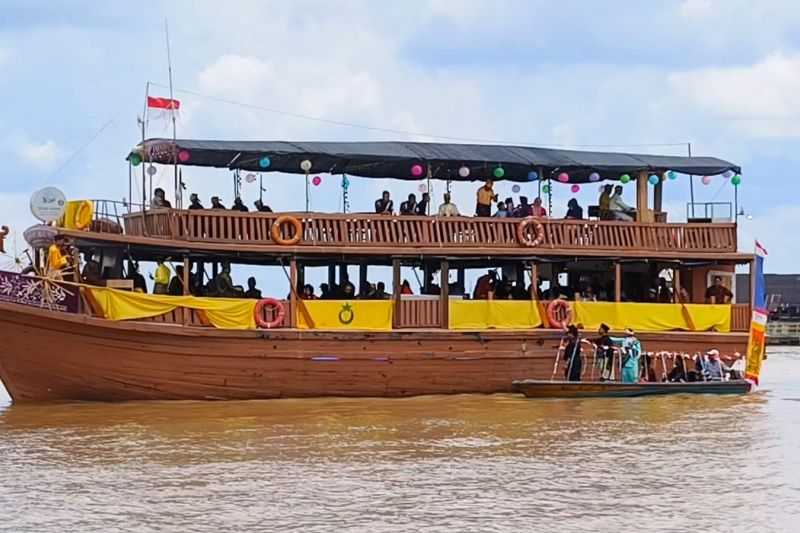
x: 614, y: 389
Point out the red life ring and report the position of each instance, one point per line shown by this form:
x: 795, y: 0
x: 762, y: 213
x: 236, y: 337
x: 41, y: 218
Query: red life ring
x: 522, y: 235
x: 275, y: 231
x: 555, y: 310
x: 279, y: 313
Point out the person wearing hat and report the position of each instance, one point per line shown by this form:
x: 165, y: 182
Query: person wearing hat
x: 631, y: 352
x: 261, y: 207
x: 713, y: 368
x: 195, y: 202
x: 215, y: 203
x: 572, y: 354
x: 238, y: 205
x: 605, y: 353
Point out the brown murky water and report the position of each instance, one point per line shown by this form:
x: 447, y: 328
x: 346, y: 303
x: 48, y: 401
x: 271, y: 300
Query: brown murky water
x: 450, y: 464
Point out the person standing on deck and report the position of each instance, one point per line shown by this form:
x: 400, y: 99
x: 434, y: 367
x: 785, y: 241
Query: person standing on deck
x: 537, y: 209
x: 604, y: 204
x: 216, y: 203
x: 238, y: 205
x: 501, y: 212
x: 175, y: 287
x: 605, y: 353
x: 631, y: 352
x: 422, y: 205
x: 384, y: 204
x: 448, y: 208
x: 486, y: 196
x: 718, y: 293
x: 409, y: 207
x: 194, y: 202
x: 619, y: 209
x: 161, y: 278
x: 56, y: 256
x: 572, y: 355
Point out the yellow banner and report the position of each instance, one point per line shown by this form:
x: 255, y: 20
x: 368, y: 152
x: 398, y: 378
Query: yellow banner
x: 494, y: 314
x: 224, y: 313
x: 756, y: 346
x: 373, y: 315
x: 652, y: 317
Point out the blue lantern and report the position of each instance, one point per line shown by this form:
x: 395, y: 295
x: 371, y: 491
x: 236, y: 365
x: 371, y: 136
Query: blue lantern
x: 264, y: 162
x: 672, y: 175
x: 533, y: 175
x: 653, y: 179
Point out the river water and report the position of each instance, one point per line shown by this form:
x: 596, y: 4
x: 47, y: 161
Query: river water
x: 449, y: 464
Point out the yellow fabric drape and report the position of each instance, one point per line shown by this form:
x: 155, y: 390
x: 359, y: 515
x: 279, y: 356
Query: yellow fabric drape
x: 224, y: 313
x: 652, y: 317
x: 374, y: 315
x: 494, y: 314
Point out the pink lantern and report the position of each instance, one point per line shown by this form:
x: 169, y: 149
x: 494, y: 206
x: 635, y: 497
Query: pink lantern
x: 563, y: 177
x: 575, y: 188
x: 183, y: 156
x: 422, y: 188
x: 417, y: 170
x: 706, y: 180
x: 316, y: 180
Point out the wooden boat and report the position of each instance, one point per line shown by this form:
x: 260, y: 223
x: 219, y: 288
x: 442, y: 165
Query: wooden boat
x: 74, y: 350
x: 532, y: 388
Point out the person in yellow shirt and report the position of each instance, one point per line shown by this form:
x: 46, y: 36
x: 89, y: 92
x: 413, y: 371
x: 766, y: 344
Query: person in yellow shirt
x: 56, y: 258
x: 486, y: 197
x: 604, y: 206
x: 161, y: 279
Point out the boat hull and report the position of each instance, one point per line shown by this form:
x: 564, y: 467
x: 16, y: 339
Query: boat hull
x: 566, y: 389
x: 52, y: 356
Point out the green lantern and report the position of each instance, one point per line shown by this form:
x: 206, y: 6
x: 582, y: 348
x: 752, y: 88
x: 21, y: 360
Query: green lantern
x: 499, y: 172
x: 135, y: 159
x: 625, y: 178
x: 546, y: 189
x: 736, y: 180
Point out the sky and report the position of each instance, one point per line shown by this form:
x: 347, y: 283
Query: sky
x: 723, y: 75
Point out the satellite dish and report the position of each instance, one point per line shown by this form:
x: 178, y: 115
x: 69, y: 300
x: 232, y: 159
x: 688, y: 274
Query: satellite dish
x: 47, y: 204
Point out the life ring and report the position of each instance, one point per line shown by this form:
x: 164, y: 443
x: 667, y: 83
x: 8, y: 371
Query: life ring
x: 556, y: 309
x: 522, y: 236
x: 279, y: 313
x: 275, y: 231
x: 84, y: 215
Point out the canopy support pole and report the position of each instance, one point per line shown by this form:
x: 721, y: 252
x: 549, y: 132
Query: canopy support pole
x: 396, y: 293
x: 293, y: 292
x: 691, y: 179
x: 617, y: 281
x: 444, y: 299
x: 307, y: 204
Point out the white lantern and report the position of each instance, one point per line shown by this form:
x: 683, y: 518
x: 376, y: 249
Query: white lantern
x: 305, y: 165
x: 463, y: 172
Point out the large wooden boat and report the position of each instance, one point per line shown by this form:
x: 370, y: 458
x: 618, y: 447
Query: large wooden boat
x: 436, y: 343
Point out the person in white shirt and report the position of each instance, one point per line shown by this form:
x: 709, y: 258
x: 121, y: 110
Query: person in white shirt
x: 448, y: 208
x: 619, y: 209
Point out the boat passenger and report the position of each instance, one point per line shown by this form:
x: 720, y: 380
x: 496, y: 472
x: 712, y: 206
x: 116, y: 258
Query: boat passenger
x: 223, y: 286
x: 501, y: 212
x: 308, y: 292
x: 537, y: 210
x: 405, y: 287
x: 574, y: 210
x: 619, y: 209
x: 139, y: 284
x: 587, y: 295
x: 664, y: 292
x: 159, y: 200
x: 161, y: 278
x: 367, y: 291
x: 215, y: 203
x: 572, y: 354
x: 605, y: 352
x: 448, y: 208
x: 175, y: 287
x: 346, y: 290
x: 502, y: 289
x: 422, y: 205
x: 604, y: 207
x: 92, y: 274
x: 631, y: 352
x: 56, y: 254
x: 384, y: 204
x: 238, y: 205
x: 261, y: 208
x: 194, y: 202
x: 678, y: 373
x: 524, y: 209
x: 381, y: 293
x: 409, y: 207
x: 485, y: 197
x: 718, y: 293
x: 683, y: 296
x: 713, y: 368
x: 252, y: 291
x: 325, y: 292
x: 485, y: 285
x: 510, y: 207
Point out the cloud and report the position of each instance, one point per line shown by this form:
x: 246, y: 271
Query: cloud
x: 41, y: 156
x: 781, y: 245
x: 695, y: 9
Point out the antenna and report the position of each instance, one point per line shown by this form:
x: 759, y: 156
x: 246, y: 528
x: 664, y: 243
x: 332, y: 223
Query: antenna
x: 178, y: 194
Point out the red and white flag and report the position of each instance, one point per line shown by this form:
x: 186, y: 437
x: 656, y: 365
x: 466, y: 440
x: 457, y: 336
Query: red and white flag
x: 154, y: 102
x: 162, y: 110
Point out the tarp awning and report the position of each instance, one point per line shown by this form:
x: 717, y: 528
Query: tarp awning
x: 437, y: 160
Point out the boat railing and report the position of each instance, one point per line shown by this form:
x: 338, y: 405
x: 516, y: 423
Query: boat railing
x: 381, y: 231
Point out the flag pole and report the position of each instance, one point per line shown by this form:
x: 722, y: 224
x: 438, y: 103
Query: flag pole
x: 144, y: 133
x: 172, y: 110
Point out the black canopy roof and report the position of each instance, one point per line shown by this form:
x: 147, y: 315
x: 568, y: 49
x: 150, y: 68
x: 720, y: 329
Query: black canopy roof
x: 441, y: 160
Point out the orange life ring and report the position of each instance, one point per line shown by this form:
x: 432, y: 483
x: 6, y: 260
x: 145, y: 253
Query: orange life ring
x: 522, y: 236
x: 84, y: 215
x: 276, y: 305
x: 554, y: 309
x: 275, y: 231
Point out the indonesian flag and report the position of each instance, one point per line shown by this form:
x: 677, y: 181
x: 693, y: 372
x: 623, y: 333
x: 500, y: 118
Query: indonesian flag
x: 155, y: 102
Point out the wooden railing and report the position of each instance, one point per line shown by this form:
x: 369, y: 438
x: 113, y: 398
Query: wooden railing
x: 370, y: 230
x: 418, y: 313
x: 740, y: 317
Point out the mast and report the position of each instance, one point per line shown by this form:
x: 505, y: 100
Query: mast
x: 172, y: 112
x: 691, y: 179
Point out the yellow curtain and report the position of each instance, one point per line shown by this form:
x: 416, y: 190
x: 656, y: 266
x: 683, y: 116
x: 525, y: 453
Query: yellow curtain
x: 652, y: 317
x: 374, y: 315
x: 224, y: 313
x: 494, y: 314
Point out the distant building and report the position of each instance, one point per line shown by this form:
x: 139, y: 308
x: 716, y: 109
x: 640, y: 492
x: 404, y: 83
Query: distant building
x: 783, y: 293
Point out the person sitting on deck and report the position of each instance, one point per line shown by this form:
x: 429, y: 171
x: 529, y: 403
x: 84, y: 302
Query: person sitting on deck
x: 422, y: 205
x: 161, y: 277
x: 222, y: 284
x: 718, y: 293
x: 501, y: 212
x: 252, y: 291
x: 215, y: 203
x: 194, y: 202
x: 448, y: 208
x: 91, y: 274
x: 678, y: 373
x: 604, y: 204
x: 405, y: 287
x: 308, y: 292
x: 175, y: 287
x: 381, y: 293
x: 524, y: 209
x: 367, y: 291
x: 618, y: 208
x: 325, y: 292
x: 572, y: 354
x: 537, y: 210
x: 574, y: 210
x: 510, y: 207
x: 384, y: 204
x: 261, y: 208
x: 713, y: 369
x: 485, y: 285
x: 409, y: 207
x: 631, y: 352
x: 664, y: 293
x: 159, y: 200
x: 346, y: 290
x: 485, y: 197
x: 139, y: 283
x: 238, y: 205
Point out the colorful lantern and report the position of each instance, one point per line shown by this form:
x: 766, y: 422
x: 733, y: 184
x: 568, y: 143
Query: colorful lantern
x: 546, y: 189
x: 499, y: 172
x: 135, y: 159
x: 305, y: 165
x: 594, y: 176
x: 575, y: 188
x: 250, y: 178
x: 264, y: 162
x: 316, y: 180
x: 533, y: 175
x: 736, y: 180
x: 654, y: 180
x: 563, y: 177
x: 422, y: 188
x: 672, y: 175
x: 625, y: 178
x: 515, y: 188
x: 706, y: 180
x: 417, y: 170
x: 183, y: 156
x: 151, y: 170
x: 463, y: 172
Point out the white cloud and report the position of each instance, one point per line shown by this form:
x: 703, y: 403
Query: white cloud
x: 41, y: 156
x: 781, y: 244
x: 695, y: 9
